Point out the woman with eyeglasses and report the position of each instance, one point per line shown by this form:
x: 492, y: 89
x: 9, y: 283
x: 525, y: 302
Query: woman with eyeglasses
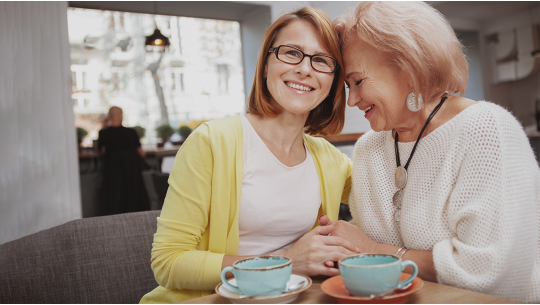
x: 256, y: 184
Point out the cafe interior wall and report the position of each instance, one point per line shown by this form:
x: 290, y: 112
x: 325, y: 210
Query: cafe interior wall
x: 518, y: 95
x: 487, y: 18
x: 39, y: 179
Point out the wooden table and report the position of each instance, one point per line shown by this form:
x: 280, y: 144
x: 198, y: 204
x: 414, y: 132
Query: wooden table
x: 431, y: 293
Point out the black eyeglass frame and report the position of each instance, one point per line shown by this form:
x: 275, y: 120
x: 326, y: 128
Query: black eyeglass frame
x: 304, y: 55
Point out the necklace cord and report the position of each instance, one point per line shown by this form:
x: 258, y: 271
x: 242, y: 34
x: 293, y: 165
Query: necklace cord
x: 419, y: 136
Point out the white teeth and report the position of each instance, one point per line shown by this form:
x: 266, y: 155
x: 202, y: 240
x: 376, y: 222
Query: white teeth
x: 298, y: 87
x: 369, y: 108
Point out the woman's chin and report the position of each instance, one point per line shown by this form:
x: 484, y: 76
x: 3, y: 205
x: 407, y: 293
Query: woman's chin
x: 375, y: 128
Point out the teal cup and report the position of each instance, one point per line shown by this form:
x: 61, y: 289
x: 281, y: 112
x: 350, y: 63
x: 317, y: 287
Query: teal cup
x: 259, y: 274
x: 374, y: 274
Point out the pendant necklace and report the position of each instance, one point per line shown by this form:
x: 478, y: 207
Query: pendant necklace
x: 401, y: 171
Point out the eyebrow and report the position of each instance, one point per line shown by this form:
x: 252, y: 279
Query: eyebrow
x: 362, y: 73
x: 302, y: 48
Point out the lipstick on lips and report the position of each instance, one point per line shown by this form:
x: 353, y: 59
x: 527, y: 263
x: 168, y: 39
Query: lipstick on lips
x: 368, y: 110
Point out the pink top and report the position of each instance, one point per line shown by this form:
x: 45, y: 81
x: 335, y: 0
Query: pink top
x: 279, y: 204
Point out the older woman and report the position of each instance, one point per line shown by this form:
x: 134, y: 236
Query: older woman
x: 442, y: 180
x: 256, y: 184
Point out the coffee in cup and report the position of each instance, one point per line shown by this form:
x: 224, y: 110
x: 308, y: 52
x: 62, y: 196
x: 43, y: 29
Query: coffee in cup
x: 259, y: 274
x: 374, y: 274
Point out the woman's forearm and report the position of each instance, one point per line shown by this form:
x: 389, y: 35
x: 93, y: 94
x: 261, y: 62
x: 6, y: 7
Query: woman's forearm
x: 422, y: 258
x: 228, y: 260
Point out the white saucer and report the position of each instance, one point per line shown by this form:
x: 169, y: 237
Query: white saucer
x: 276, y: 299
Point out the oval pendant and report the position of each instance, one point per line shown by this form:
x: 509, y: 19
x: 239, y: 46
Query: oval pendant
x: 401, y: 177
x: 398, y: 198
x: 397, y: 215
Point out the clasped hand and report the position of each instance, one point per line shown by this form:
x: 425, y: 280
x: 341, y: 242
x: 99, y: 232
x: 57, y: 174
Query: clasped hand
x: 312, y: 250
x: 350, y: 233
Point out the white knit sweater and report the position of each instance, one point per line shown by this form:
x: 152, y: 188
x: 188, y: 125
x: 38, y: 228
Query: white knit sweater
x: 472, y: 197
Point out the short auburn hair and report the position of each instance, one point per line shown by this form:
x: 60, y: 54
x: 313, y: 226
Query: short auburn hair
x: 414, y: 37
x: 328, y: 117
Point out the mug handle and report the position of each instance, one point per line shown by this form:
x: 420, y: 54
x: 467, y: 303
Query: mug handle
x: 411, y: 278
x: 224, y: 279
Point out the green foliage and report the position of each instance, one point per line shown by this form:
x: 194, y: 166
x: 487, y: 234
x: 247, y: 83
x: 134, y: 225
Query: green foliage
x: 164, y: 132
x: 140, y: 131
x: 81, y: 133
x: 184, y: 131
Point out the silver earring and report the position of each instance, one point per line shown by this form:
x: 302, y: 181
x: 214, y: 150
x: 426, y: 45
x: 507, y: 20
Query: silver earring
x: 411, y: 102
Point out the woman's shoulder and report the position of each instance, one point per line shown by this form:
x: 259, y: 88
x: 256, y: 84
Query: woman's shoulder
x: 488, y: 117
x: 371, y: 138
x: 227, y: 123
x: 223, y: 127
x: 324, y: 150
x: 319, y: 144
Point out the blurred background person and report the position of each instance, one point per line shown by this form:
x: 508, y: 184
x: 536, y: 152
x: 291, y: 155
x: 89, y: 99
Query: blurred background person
x: 122, y: 189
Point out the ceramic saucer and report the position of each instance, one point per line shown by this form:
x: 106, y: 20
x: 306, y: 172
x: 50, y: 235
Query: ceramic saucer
x: 334, y: 287
x: 276, y: 299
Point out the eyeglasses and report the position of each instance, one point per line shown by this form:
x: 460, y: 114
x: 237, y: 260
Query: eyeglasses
x: 294, y: 56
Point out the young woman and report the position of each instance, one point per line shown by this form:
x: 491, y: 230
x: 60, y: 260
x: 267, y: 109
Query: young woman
x: 256, y: 184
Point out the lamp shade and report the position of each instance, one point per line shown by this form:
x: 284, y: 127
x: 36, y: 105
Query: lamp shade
x: 157, y: 39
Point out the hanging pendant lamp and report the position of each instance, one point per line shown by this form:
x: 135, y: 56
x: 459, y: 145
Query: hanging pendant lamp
x: 157, y: 39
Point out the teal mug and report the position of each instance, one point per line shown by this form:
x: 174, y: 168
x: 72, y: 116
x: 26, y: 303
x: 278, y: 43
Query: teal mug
x: 374, y: 274
x: 259, y: 274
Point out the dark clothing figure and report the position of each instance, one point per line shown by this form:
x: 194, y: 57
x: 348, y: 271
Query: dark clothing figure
x: 123, y: 188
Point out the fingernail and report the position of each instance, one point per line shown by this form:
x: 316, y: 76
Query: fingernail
x: 357, y: 249
x: 320, y: 217
x: 328, y: 266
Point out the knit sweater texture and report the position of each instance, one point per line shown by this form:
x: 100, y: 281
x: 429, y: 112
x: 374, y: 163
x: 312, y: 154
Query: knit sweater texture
x: 472, y: 197
x: 198, y: 224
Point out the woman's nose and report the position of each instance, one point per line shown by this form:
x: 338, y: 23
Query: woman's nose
x: 304, y: 67
x: 351, y: 101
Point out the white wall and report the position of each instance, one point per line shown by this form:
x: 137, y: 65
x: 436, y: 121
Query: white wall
x: 253, y: 28
x: 39, y: 179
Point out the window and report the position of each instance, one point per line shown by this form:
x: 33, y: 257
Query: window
x: 199, y: 77
x: 223, y: 73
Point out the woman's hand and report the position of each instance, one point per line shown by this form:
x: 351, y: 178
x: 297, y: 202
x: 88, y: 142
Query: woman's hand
x: 311, y: 251
x: 350, y: 233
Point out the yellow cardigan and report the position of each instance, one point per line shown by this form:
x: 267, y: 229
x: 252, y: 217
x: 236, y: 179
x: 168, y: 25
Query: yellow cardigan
x: 199, y: 221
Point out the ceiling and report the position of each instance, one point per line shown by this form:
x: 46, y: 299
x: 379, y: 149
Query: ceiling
x: 481, y: 10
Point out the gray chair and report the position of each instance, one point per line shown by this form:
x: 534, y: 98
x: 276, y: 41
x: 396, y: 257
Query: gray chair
x: 92, y: 260
x: 156, y: 184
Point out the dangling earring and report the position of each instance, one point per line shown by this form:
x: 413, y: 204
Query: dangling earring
x: 411, y: 102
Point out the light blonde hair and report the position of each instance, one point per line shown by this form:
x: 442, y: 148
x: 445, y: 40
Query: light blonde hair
x: 414, y: 37
x: 328, y: 117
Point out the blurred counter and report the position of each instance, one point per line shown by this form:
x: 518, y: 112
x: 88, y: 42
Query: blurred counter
x: 153, y: 150
x: 149, y: 149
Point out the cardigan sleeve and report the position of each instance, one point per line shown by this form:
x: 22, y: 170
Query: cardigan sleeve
x: 493, y: 212
x: 177, y: 262
x: 347, y: 188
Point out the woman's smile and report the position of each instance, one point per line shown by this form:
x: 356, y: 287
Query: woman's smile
x: 368, y: 110
x: 298, y: 87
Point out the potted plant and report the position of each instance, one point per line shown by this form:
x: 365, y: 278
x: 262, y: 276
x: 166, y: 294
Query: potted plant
x: 184, y: 131
x: 164, y: 132
x: 140, y: 131
x: 81, y: 133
